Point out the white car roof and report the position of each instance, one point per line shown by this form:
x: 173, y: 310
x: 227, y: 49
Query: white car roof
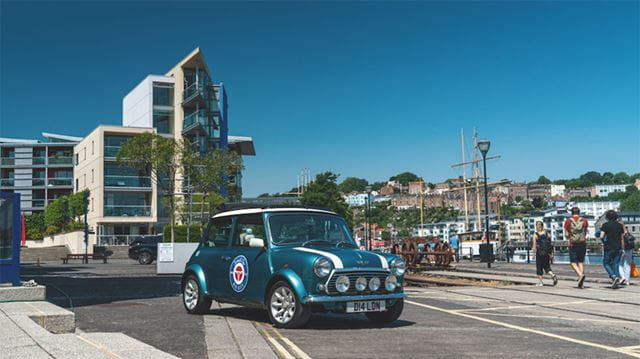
x: 263, y: 210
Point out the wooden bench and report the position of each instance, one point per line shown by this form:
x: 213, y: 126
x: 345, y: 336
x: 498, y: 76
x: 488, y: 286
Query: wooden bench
x: 85, y: 258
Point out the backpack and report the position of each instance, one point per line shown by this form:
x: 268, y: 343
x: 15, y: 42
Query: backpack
x: 629, y: 241
x: 544, y: 246
x: 576, y: 233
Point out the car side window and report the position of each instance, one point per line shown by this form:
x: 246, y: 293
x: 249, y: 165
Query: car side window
x: 247, y: 227
x: 218, y: 232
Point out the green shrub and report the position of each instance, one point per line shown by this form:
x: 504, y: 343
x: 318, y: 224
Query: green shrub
x: 74, y: 226
x: 35, y: 225
x: 51, y: 230
x: 180, y: 233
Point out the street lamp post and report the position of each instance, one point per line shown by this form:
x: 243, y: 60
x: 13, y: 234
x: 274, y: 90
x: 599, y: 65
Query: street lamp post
x: 368, y: 210
x: 483, y: 146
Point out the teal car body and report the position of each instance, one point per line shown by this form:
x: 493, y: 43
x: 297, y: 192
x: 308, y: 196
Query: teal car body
x: 245, y: 253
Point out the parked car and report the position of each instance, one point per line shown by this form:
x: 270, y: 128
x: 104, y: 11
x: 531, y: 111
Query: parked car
x: 291, y: 261
x: 145, y: 249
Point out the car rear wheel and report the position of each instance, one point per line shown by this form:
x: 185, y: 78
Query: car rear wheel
x: 195, y: 302
x: 284, y: 308
x: 145, y: 258
x: 389, y: 315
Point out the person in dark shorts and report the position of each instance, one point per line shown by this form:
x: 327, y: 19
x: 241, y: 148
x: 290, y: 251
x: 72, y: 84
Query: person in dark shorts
x: 543, y: 248
x: 575, y: 233
x: 613, y: 246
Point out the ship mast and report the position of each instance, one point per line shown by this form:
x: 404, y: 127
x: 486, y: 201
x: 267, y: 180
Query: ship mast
x: 477, y: 175
x: 464, y: 183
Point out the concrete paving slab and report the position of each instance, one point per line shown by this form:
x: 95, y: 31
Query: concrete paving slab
x: 124, y: 346
x: 22, y: 293
x: 25, y: 352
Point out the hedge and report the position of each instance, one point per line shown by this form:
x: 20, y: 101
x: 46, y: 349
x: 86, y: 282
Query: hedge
x: 180, y: 233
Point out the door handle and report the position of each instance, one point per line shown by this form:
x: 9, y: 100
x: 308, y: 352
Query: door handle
x: 225, y: 258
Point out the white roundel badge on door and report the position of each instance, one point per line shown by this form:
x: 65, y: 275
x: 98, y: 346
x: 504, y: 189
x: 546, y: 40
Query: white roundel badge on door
x: 239, y: 273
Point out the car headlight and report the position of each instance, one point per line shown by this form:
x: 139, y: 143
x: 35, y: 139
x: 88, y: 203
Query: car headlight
x: 374, y: 284
x: 342, y: 284
x: 398, y: 267
x: 322, y: 267
x: 391, y: 283
x: 361, y: 284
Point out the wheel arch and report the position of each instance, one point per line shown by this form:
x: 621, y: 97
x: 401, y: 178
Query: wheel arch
x: 198, y: 272
x: 289, y: 276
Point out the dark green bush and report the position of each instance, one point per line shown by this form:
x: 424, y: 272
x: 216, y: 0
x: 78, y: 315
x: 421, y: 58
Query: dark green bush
x: 180, y: 233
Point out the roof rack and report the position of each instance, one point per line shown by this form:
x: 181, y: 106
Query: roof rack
x: 236, y: 206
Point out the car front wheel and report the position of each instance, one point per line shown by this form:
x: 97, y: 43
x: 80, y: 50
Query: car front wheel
x: 285, y: 309
x: 195, y: 302
x: 145, y: 258
x: 389, y: 315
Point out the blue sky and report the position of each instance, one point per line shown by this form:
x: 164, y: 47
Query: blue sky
x: 361, y: 89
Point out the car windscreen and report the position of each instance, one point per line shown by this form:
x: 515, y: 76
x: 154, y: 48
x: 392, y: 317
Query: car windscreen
x: 309, y: 228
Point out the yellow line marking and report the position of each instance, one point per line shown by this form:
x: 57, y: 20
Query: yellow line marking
x: 99, y: 347
x: 630, y: 348
x: 523, y: 329
x: 283, y: 353
x: 557, y: 317
x: 299, y: 352
x: 551, y: 304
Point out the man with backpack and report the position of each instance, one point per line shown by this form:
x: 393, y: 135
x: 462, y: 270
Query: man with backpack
x: 575, y: 233
x: 613, y: 246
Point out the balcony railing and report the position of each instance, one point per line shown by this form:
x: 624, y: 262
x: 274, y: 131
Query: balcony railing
x: 117, y: 239
x: 60, y: 182
x: 60, y: 160
x: 37, y: 182
x: 111, y: 151
x: 127, y: 211
x: 7, y: 161
x: 198, y: 122
x: 195, y: 90
x: 127, y: 181
x: 37, y: 203
x: 39, y: 160
x: 7, y: 182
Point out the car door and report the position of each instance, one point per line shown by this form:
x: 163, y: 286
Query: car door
x: 249, y: 267
x: 215, y: 255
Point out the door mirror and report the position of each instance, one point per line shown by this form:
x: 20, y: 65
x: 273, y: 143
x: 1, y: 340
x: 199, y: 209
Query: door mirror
x: 256, y: 243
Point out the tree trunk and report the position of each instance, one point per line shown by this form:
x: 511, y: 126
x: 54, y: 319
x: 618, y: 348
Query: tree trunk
x: 202, y: 221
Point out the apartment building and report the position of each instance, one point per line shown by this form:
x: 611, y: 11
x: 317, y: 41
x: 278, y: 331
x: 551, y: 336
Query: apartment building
x: 123, y: 202
x: 593, y: 208
x: 536, y: 190
x: 603, y: 190
x: 40, y: 171
x: 516, y: 230
x: 578, y: 192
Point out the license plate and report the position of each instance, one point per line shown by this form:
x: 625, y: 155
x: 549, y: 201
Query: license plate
x: 366, y: 306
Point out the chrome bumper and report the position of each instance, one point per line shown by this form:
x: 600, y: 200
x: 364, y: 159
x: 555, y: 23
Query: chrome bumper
x: 311, y: 299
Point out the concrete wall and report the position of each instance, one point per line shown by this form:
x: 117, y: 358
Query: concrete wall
x: 181, y: 254
x: 137, y: 105
x: 74, y: 241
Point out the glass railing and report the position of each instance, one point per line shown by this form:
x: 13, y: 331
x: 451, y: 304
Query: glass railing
x: 196, y: 89
x: 60, y: 160
x: 6, y: 182
x: 37, y: 182
x: 117, y: 239
x: 199, y: 116
x: 111, y: 151
x: 126, y: 211
x: 37, y: 203
x: 60, y: 181
x: 8, y: 161
x: 127, y: 181
x: 39, y: 160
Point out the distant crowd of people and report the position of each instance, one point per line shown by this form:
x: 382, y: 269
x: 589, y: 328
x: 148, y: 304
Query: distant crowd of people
x: 617, y: 256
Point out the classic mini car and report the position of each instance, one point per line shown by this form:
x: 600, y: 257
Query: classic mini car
x: 291, y: 261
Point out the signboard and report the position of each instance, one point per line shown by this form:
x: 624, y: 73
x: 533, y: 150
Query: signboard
x: 165, y: 252
x: 10, y: 235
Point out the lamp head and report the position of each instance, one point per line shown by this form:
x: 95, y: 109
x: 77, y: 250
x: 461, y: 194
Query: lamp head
x: 483, y: 146
x: 368, y: 189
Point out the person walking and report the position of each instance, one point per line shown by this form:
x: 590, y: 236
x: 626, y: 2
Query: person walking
x: 627, y: 256
x: 575, y: 233
x: 543, y: 248
x: 613, y: 246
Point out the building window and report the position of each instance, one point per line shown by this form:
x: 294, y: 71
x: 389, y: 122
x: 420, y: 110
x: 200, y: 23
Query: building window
x: 162, y: 94
x: 92, y: 147
x: 91, y: 204
x: 163, y: 120
x: 77, y: 159
x: 84, y: 180
x: 84, y: 153
x: 77, y: 184
x: 91, y: 175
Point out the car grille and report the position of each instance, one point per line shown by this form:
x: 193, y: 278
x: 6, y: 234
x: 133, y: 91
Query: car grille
x: 353, y: 276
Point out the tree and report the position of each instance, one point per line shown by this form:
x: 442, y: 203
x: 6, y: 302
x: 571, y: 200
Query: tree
x: 210, y: 173
x: 35, y: 225
x: 353, y: 184
x: 632, y: 202
x: 376, y: 186
x: 591, y: 178
x: 537, y: 202
x: 404, y: 178
x: 160, y: 158
x: 56, y: 214
x: 621, y: 178
x: 543, y: 180
x: 76, y: 204
x: 324, y: 192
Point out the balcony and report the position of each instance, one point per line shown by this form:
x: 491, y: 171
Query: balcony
x: 7, y: 161
x: 37, y: 203
x: 61, y: 181
x: 197, y: 93
x: 37, y: 182
x: 6, y: 182
x: 127, y: 181
x: 198, y: 123
x: 117, y: 239
x: 61, y: 161
x: 39, y: 160
x: 127, y: 211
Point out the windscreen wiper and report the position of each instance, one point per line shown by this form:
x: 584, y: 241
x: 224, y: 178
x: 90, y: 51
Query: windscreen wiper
x: 316, y: 240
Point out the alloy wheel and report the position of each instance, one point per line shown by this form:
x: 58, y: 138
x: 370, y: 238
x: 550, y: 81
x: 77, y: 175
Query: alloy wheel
x: 283, y: 305
x: 190, y: 294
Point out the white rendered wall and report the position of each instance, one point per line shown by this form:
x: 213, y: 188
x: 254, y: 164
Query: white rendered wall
x: 137, y: 105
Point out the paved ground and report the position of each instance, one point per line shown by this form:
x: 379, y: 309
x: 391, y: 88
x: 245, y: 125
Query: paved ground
x: 507, y: 321
x: 595, y: 272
